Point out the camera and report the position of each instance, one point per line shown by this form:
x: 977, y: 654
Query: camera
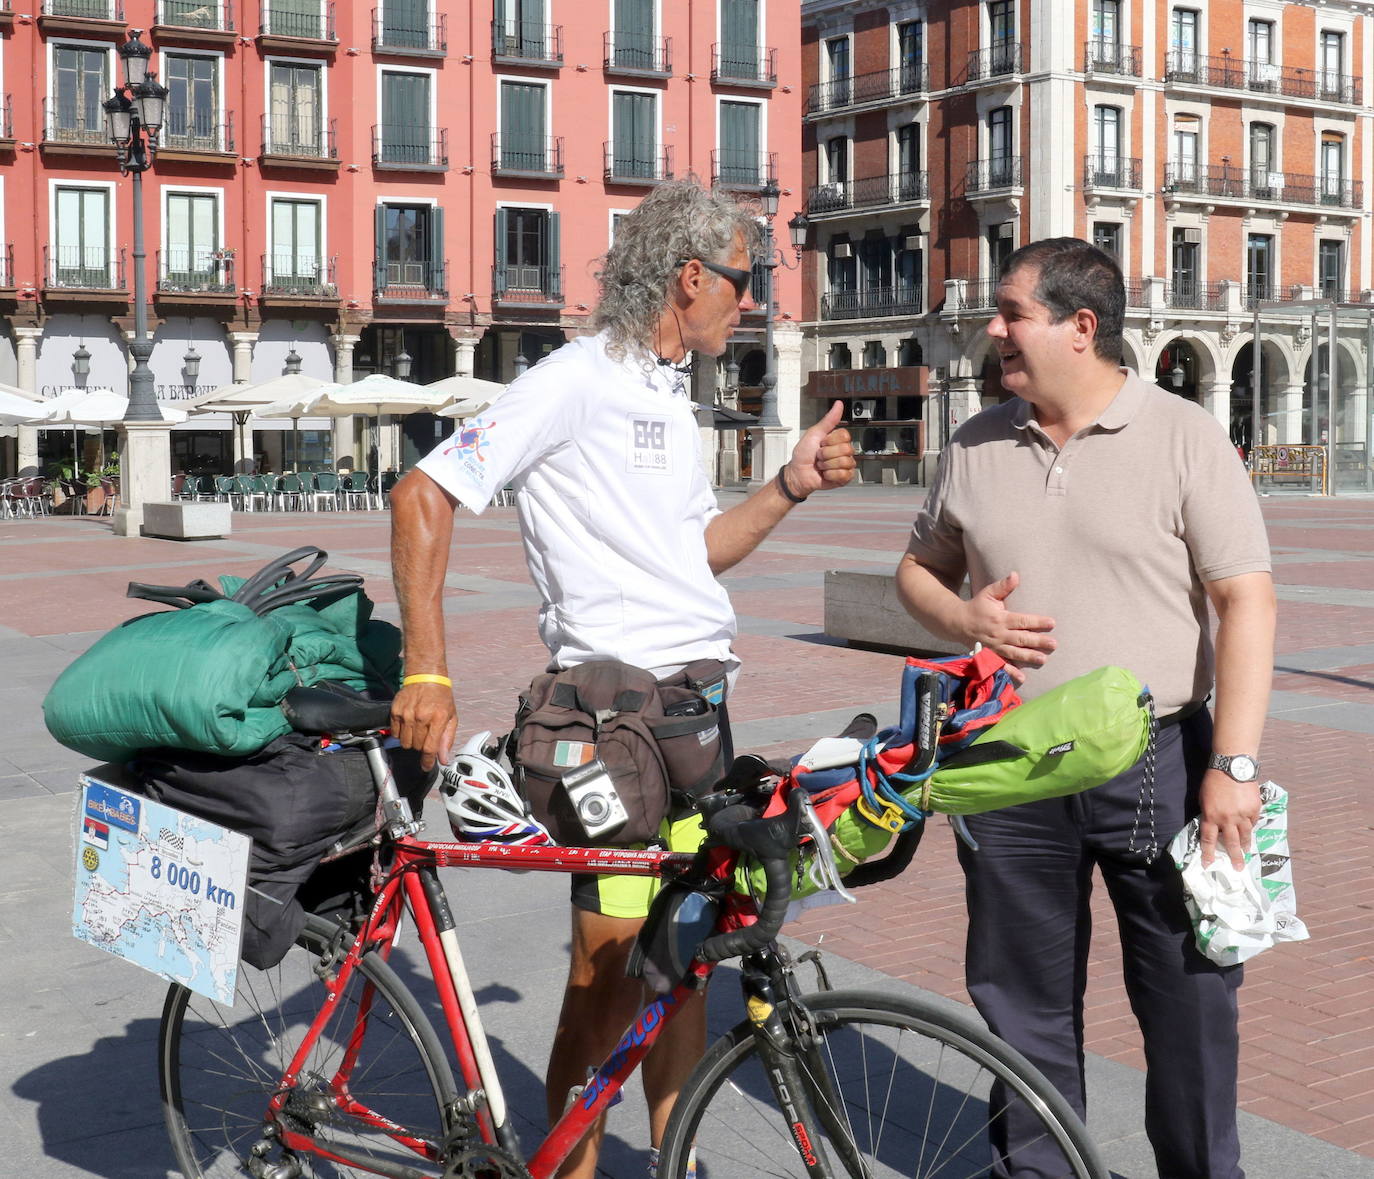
x: 594, y: 798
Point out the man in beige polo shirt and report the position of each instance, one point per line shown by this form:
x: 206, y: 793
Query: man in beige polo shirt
x: 1095, y: 516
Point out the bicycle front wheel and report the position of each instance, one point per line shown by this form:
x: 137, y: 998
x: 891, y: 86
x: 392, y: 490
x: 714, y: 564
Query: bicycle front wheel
x: 896, y: 1087
x: 380, y: 1113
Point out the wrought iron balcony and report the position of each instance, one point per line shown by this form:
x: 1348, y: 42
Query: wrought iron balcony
x: 410, y: 281
x: 287, y: 133
x: 1110, y: 58
x: 898, y: 83
x: 84, y: 9
x: 522, y: 42
x: 872, y: 303
x: 91, y: 268
x: 1110, y: 171
x: 744, y: 65
x: 7, y: 268
x: 993, y: 175
x: 403, y: 147
x: 1231, y: 73
x: 201, y: 272
x: 735, y: 168
x: 897, y: 188
x: 979, y: 295
x: 1225, y: 182
x: 66, y: 119
x: 300, y: 276
x: 281, y: 21
x: 1192, y: 295
x: 637, y: 163
x: 642, y: 54
x: 196, y: 14
x: 527, y: 286
x: 997, y: 61
x: 1255, y: 293
x: 410, y: 34
x: 534, y: 156
x: 197, y: 131
x: 1136, y: 294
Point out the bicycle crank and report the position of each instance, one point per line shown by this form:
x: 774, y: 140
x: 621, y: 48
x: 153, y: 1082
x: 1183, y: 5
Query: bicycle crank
x: 485, y: 1162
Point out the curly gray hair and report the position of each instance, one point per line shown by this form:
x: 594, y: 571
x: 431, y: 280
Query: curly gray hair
x: 679, y: 219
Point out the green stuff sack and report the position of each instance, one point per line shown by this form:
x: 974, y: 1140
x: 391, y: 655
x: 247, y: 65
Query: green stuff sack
x: 1074, y: 737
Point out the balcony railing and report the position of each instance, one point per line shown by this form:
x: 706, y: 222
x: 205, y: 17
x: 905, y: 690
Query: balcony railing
x: 880, y: 86
x: 1136, y: 294
x: 1107, y: 57
x: 638, y: 53
x: 997, y: 61
x: 1227, y: 182
x: 286, y: 133
x: 527, y: 284
x: 84, y: 9
x: 1101, y: 171
x: 403, y: 146
x: 91, y: 268
x: 195, y: 14
x: 1231, y: 73
x: 872, y: 303
x: 1255, y: 293
x: 300, y: 276
x: 637, y: 164
x: 411, y: 281
x: 7, y: 118
x: 733, y: 168
x: 527, y: 41
x: 66, y: 120
x: 7, y: 267
x: 993, y: 175
x: 1191, y: 295
x: 311, y: 26
x: 535, y: 156
x: 198, y: 131
x: 979, y: 295
x: 897, y: 188
x: 187, y: 271
x: 746, y: 64
x: 412, y: 34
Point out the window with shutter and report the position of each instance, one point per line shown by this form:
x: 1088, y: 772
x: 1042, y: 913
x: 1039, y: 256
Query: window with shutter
x: 295, y: 262
x: 741, y: 161
x: 633, y: 134
x: 81, y: 252
x: 295, y: 122
x: 191, y: 118
x: 405, y: 24
x: 524, y: 144
x: 633, y: 36
x: 739, y: 41
x: 80, y: 86
x: 406, y: 132
x: 192, y: 241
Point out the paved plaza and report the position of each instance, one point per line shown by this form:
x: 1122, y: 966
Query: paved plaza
x: 78, y: 1030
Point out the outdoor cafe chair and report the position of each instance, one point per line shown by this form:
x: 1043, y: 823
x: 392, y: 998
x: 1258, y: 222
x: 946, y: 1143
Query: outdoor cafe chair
x: 291, y: 491
x: 356, y: 491
x: 251, y: 490
x: 324, y: 491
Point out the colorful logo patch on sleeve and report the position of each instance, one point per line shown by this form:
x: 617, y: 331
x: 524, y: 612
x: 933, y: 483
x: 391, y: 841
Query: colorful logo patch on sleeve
x: 467, y: 441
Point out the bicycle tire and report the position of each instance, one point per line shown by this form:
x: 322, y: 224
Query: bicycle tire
x: 219, y: 1067
x: 929, y: 1070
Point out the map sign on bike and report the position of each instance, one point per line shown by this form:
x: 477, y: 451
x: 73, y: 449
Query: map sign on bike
x: 160, y: 888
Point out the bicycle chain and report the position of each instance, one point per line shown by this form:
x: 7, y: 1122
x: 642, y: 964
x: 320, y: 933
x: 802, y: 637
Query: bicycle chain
x: 485, y: 1162
x: 1147, y: 793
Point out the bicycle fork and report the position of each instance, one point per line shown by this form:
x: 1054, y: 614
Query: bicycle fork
x: 793, y: 1059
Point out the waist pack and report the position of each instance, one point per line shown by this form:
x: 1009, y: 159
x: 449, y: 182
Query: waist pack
x: 209, y: 675
x: 657, y: 741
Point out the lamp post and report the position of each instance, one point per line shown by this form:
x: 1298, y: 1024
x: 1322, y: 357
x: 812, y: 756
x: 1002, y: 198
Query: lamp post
x: 134, y: 118
x: 293, y: 362
x: 770, y: 424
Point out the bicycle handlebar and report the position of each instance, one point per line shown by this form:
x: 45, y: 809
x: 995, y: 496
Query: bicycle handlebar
x: 774, y: 841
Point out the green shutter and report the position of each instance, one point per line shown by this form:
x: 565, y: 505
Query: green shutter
x: 554, y: 286
x: 739, y: 143
x: 739, y: 25
x: 522, y: 126
x: 634, y: 34
x: 405, y: 118
x: 634, y: 134
x: 501, y: 260
x: 380, y: 259
x: 437, y: 277
x: 405, y: 24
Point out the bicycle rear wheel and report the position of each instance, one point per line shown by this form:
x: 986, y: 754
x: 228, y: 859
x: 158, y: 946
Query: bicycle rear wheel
x: 220, y: 1066
x: 921, y: 1093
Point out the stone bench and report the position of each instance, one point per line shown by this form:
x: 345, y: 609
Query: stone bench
x: 185, y: 520
x: 863, y: 609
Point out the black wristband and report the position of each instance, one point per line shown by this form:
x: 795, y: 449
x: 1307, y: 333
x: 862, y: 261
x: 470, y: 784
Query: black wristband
x: 787, y: 491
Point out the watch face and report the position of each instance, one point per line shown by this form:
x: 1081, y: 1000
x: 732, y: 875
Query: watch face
x: 1242, y: 769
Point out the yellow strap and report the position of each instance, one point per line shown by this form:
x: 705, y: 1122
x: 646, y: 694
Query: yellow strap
x: 427, y: 679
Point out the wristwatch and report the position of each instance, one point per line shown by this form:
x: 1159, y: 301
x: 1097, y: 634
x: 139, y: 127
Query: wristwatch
x: 1241, y: 766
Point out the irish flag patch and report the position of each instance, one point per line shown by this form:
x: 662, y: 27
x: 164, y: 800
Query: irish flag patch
x: 567, y: 754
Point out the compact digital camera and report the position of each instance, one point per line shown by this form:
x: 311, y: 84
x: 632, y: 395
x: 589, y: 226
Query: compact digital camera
x: 595, y: 799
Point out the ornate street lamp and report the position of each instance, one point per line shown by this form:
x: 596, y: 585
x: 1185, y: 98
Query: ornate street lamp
x: 81, y: 363
x: 293, y: 362
x: 772, y: 258
x: 401, y: 365
x: 190, y: 365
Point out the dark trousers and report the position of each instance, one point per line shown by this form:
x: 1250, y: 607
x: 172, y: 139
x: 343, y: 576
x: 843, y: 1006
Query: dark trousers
x: 1028, y: 888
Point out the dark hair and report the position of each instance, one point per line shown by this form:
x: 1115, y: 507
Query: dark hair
x: 1072, y: 276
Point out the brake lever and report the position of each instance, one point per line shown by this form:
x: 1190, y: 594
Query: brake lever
x: 824, y: 871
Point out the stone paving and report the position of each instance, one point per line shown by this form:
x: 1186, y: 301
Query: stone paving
x: 1308, y: 1009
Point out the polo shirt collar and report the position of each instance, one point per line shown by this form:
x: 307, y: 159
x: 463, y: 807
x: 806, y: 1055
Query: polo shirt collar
x: 1116, y: 416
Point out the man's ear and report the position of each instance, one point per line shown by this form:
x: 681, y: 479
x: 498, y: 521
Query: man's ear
x: 1085, y: 329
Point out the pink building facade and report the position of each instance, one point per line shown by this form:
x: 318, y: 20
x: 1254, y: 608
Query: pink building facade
x: 349, y: 184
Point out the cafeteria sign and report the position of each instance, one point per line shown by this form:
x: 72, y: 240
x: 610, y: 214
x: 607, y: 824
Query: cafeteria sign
x: 869, y: 382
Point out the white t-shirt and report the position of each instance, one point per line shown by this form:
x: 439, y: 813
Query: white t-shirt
x: 613, y: 501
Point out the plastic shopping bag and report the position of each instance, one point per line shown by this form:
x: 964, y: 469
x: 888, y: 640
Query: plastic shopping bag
x: 1238, y: 914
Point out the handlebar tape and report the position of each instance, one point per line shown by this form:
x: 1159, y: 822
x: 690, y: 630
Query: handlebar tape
x: 777, y: 896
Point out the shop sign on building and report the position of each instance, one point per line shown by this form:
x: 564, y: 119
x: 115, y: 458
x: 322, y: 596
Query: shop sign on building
x: 869, y: 382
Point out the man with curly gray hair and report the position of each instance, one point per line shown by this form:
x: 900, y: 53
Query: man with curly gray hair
x: 624, y: 541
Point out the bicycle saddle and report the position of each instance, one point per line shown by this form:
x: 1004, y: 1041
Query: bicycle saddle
x: 334, y: 708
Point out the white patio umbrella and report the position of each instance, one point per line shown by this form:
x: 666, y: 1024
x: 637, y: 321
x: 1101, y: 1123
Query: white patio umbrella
x: 243, y: 401
x: 16, y: 408
x: 90, y: 407
x: 471, y: 395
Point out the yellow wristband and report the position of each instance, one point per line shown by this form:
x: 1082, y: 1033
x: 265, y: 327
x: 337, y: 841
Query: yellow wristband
x: 427, y: 679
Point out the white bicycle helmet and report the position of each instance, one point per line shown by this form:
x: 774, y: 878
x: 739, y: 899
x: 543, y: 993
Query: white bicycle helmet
x: 481, y: 802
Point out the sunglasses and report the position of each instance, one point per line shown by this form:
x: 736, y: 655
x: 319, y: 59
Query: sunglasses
x: 739, y: 279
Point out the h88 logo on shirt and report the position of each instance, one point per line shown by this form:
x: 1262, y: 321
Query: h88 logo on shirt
x: 647, y: 449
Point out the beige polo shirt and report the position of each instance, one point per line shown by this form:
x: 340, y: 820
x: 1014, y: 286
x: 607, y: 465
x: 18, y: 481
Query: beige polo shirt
x: 1113, y: 536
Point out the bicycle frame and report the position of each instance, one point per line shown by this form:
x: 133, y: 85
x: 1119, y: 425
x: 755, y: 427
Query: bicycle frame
x: 412, y: 884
